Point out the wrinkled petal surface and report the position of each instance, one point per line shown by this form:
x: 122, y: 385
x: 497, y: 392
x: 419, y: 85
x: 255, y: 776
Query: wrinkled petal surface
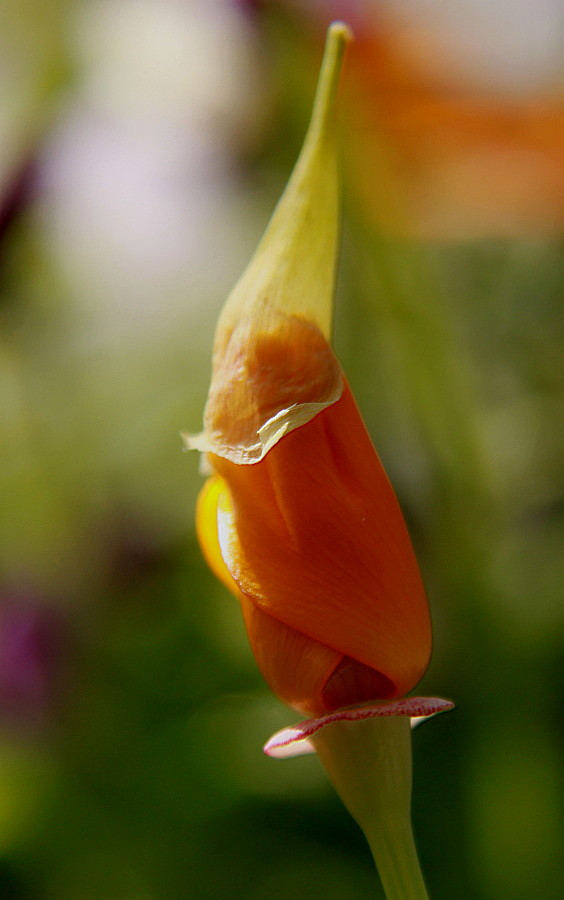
x: 274, y: 373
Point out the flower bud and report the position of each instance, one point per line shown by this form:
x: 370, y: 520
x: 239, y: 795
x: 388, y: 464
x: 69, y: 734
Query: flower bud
x: 299, y: 519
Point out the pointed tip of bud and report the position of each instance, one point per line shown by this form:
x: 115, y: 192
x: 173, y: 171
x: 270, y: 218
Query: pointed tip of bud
x: 341, y: 31
x: 338, y: 36
x: 287, y: 288
x: 293, y: 268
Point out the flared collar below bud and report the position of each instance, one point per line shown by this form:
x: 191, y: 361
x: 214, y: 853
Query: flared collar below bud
x: 273, y: 367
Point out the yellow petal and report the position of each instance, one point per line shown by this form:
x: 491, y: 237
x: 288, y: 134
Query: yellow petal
x: 206, y: 527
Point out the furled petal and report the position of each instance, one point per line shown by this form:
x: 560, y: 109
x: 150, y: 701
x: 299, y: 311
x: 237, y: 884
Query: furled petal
x: 313, y: 535
x: 307, y: 665
x: 306, y: 674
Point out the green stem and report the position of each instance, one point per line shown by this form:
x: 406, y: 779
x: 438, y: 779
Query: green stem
x: 397, y: 862
x: 369, y: 763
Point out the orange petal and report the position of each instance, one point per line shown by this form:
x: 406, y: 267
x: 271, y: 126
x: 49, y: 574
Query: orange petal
x: 296, y: 667
x: 314, y: 536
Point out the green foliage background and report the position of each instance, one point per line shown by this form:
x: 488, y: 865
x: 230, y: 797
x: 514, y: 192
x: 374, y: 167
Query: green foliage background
x: 132, y: 716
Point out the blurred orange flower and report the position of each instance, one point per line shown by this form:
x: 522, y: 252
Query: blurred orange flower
x: 438, y: 151
x: 299, y: 519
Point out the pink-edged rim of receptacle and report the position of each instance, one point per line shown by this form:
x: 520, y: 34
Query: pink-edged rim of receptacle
x: 294, y: 741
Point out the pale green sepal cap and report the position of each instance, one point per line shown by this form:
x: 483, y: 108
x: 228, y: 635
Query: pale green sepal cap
x: 273, y: 366
x: 293, y: 268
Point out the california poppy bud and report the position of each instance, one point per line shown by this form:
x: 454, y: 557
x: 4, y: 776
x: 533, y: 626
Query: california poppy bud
x: 299, y: 519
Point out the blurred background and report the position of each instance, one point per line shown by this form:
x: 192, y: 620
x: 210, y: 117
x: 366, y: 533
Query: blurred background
x: 143, y: 144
